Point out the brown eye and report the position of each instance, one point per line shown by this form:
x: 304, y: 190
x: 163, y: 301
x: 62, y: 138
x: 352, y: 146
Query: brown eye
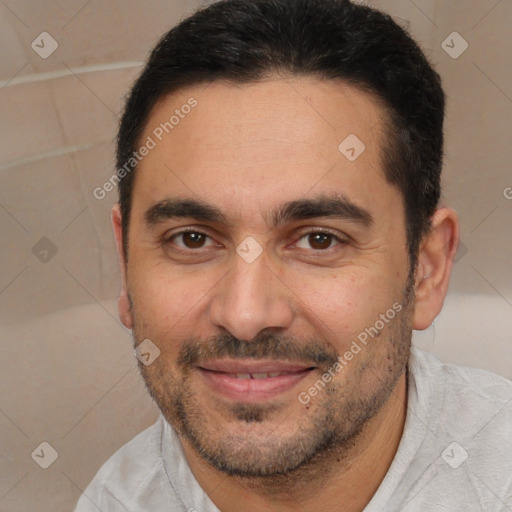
x: 320, y: 240
x: 191, y: 240
x: 317, y: 241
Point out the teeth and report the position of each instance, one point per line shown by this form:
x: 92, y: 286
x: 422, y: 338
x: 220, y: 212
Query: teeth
x: 257, y: 375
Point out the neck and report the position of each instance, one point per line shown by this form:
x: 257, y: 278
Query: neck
x: 349, y: 476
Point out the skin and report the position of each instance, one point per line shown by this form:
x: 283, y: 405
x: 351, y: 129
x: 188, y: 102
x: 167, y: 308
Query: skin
x: 247, y: 150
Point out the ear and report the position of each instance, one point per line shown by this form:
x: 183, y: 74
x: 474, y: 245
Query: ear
x: 125, y: 312
x: 435, y: 259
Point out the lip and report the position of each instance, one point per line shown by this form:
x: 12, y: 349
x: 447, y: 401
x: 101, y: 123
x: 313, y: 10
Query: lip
x: 221, y: 378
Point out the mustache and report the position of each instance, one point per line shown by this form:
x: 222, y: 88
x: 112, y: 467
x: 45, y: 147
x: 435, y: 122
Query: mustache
x: 311, y: 352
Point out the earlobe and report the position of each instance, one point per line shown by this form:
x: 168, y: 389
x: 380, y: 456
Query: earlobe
x: 435, y: 259
x: 124, y: 306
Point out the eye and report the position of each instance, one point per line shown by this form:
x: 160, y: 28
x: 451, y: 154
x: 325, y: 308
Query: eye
x: 318, y: 241
x: 191, y: 240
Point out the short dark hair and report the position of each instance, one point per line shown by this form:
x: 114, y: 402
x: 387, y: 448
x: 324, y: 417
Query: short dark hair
x: 242, y: 41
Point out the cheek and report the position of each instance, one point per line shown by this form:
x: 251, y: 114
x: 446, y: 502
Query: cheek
x: 343, y: 305
x: 166, y: 303
x: 171, y: 303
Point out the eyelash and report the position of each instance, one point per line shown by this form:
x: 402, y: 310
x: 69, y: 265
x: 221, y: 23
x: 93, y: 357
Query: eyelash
x: 304, y: 234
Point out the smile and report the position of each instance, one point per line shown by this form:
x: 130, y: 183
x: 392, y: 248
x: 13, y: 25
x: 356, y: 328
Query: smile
x: 252, y: 381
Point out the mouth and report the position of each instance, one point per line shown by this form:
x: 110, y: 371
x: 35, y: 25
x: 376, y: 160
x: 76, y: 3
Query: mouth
x: 252, y: 381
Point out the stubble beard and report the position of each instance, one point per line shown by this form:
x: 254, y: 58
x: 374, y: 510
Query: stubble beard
x: 249, y: 444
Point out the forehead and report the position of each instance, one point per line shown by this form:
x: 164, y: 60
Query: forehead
x: 275, y: 139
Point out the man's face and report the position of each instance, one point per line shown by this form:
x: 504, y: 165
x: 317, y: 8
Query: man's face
x: 259, y: 251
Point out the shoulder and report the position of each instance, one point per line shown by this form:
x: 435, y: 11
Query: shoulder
x: 125, y: 473
x: 426, y: 365
x: 468, y: 402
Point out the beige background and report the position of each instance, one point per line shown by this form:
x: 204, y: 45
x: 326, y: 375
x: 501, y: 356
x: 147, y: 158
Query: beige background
x: 67, y: 372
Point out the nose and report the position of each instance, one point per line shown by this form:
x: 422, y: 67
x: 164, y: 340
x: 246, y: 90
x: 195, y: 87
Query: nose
x: 251, y: 298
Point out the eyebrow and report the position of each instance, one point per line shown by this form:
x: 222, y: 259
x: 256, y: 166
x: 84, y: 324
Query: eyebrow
x: 323, y: 206
x: 190, y: 208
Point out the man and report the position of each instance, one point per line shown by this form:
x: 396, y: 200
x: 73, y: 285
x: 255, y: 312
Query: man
x: 280, y: 237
